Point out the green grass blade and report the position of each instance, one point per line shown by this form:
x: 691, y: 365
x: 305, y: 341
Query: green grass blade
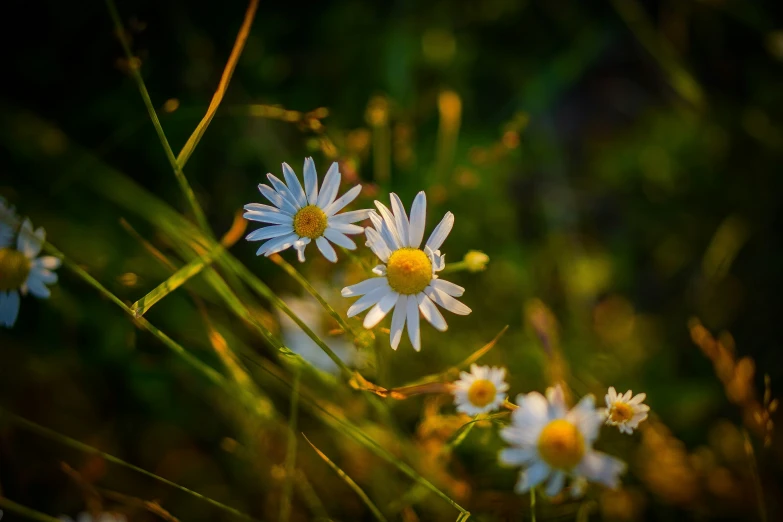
x: 75, y: 444
x: 179, y: 278
x: 290, y: 454
x: 351, y: 483
x: 24, y: 511
x: 239, y: 45
x: 299, y: 278
x: 133, y: 65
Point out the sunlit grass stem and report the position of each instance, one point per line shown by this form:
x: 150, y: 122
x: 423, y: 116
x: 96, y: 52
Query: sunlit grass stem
x: 290, y: 455
x: 133, y: 67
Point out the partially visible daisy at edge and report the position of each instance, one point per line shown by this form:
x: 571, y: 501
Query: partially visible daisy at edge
x: 553, y: 443
x: 301, y: 215
x: 9, y: 221
x: 21, y: 270
x: 408, y: 281
x: 86, y: 517
x: 480, y: 391
x: 625, y: 411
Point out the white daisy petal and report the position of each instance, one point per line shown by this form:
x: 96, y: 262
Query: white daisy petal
x: 276, y: 199
x: 30, y: 242
x: 400, y: 219
x: 330, y: 186
x: 444, y: 300
x: 269, y: 232
x: 377, y: 244
x: 555, y: 484
x: 9, y: 308
x: 346, y: 228
x: 384, y: 231
x: 393, y: 237
x: 343, y: 201
x: 418, y: 220
x: 326, y: 249
x: 350, y: 217
x: 37, y: 287
x: 448, y: 288
x: 46, y: 276
x: 278, y: 217
x: 369, y: 299
x: 300, y: 246
x: 398, y: 320
x: 282, y: 189
x: 276, y: 245
x: 413, y: 324
x: 532, y: 477
x: 311, y: 181
x: 441, y: 232
x: 338, y: 238
x: 294, y: 185
x: 379, y: 270
x: 600, y: 467
x: 366, y: 286
x: 47, y: 262
x: 431, y: 313
x: 517, y: 456
x: 380, y: 310
x: 638, y: 399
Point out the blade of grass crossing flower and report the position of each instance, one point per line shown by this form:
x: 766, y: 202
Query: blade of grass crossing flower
x: 179, y: 278
x: 133, y: 65
x: 290, y: 454
x: 293, y: 272
x: 25, y: 511
x: 350, y: 482
x: 239, y: 45
x: 75, y: 444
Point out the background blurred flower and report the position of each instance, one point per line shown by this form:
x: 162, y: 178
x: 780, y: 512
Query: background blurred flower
x: 480, y: 391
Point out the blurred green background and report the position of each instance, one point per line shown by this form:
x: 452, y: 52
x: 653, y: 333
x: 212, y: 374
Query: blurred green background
x: 618, y: 161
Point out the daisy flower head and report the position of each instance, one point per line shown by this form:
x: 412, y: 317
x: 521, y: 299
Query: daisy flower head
x: 553, y: 443
x: 407, y: 280
x: 298, y: 215
x: 480, y: 391
x: 86, y: 517
x: 21, y: 270
x: 625, y: 411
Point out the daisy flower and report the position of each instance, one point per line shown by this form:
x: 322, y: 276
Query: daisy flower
x: 408, y: 282
x: 21, y: 270
x: 480, y: 391
x: 86, y: 517
x: 301, y: 215
x: 553, y: 443
x: 625, y: 411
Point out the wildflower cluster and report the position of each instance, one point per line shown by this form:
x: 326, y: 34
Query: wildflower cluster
x: 547, y: 439
x: 22, y: 270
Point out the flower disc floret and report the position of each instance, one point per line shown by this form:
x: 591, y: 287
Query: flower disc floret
x: 14, y: 269
x: 620, y: 412
x: 310, y: 221
x: 409, y: 271
x: 561, y: 444
x: 482, y: 392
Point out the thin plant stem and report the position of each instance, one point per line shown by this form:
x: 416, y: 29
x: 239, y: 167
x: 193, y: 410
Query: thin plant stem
x: 133, y: 66
x: 239, y: 45
x: 299, y: 278
x: 25, y: 511
x: 290, y: 457
x: 72, y: 443
x: 533, y: 505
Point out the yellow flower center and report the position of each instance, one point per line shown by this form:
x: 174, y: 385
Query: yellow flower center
x: 408, y: 271
x: 481, y: 392
x: 14, y: 267
x: 620, y: 412
x: 310, y: 222
x: 561, y: 444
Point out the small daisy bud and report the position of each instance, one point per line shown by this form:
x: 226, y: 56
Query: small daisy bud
x: 476, y: 261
